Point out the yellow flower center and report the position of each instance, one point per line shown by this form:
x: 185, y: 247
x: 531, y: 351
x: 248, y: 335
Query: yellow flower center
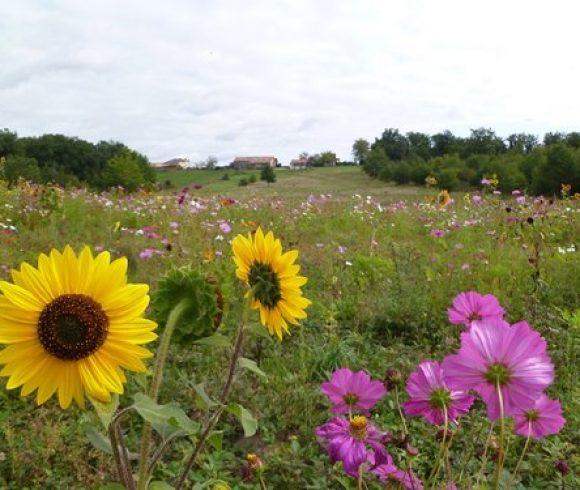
x: 72, y: 327
x: 358, y: 427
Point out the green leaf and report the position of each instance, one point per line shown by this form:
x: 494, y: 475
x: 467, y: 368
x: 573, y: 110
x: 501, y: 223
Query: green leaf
x: 165, y: 419
x: 251, y: 365
x: 160, y: 485
x: 249, y: 423
x: 105, y: 411
x: 203, y: 400
x: 98, y: 440
x: 215, y: 340
x: 111, y: 486
x: 216, y: 439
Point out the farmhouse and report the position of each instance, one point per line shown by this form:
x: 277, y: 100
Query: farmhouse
x: 173, y: 164
x: 251, y: 163
x: 299, y: 163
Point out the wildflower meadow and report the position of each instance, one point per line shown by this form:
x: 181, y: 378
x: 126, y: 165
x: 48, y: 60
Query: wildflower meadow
x: 317, y: 330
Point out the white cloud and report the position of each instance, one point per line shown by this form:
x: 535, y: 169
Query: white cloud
x: 183, y: 78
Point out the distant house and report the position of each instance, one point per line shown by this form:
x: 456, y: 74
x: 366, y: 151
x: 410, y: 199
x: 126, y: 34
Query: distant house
x: 299, y: 163
x: 252, y: 163
x: 173, y: 164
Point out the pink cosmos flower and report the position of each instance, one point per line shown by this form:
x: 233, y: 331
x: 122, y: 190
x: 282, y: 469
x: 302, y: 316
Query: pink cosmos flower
x: 431, y: 394
x: 386, y: 471
x: 477, y: 199
x: 225, y: 227
x: 492, y: 354
x: 485, y: 182
x: 472, y: 306
x: 544, y: 419
x: 437, y: 233
x: 521, y: 199
x: 352, y: 391
x: 352, y: 442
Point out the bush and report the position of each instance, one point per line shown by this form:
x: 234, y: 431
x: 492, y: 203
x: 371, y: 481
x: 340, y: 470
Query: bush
x: 243, y: 182
x: 268, y: 175
x: 225, y: 176
x: 252, y: 179
x: 124, y: 170
x: 20, y: 167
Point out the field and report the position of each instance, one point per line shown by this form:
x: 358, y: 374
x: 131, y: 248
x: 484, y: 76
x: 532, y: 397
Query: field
x: 383, y: 265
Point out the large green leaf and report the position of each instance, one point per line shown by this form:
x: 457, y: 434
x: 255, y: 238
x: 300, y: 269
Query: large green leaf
x: 215, y: 340
x: 165, y: 419
x: 202, y: 399
x: 160, y: 485
x: 98, y: 440
x: 105, y: 411
x: 251, y: 365
x: 249, y: 423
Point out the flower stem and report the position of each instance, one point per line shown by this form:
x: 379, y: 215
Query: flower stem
x: 435, y: 470
x: 515, y: 474
x: 162, y: 352
x: 501, y: 455
x: 446, y: 452
x: 223, y: 398
x: 400, y: 411
x: 484, y: 457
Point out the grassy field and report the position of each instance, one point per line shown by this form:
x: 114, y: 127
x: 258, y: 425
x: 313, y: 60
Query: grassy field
x: 384, y: 263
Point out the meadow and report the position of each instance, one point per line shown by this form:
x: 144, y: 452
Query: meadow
x: 383, y: 264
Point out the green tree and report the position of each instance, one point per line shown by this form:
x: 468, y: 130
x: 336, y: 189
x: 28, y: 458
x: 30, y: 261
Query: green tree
x: 375, y: 162
x: 360, y: 150
x: 125, y: 170
x: 419, y: 145
x: 395, y: 144
x: 268, y: 175
x: 562, y: 166
x: 8, y: 142
x: 20, y: 167
x: 443, y: 143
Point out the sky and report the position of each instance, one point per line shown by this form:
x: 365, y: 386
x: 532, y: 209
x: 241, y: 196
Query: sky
x: 196, y: 78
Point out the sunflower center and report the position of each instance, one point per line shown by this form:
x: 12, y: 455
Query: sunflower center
x: 358, y: 427
x: 265, y: 283
x: 350, y: 399
x: 72, y: 327
x: 440, y: 398
x: 497, y: 374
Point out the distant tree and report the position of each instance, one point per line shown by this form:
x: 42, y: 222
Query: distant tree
x: 562, y: 166
x: 419, y: 145
x: 20, y: 167
x: 395, y: 144
x: 483, y: 141
x: 324, y: 159
x: 8, y: 142
x: 268, y: 175
x: 211, y: 162
x: 360, y: 150
x: 124, y: 170
x: 573, y: 139
x: 376, y: 161
x: 553, y: 138
x: 522, y: 142
x: 443, y: 144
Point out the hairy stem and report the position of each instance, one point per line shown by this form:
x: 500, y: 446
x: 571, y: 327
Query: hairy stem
x: 435, y: 471
x: 519, y: 463
x: 160, y: 360
x: 223, y: 398
x: 501, y: 454
x: 400, y: 411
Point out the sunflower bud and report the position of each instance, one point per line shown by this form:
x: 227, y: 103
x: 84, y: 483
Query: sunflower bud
x: 204, y: 303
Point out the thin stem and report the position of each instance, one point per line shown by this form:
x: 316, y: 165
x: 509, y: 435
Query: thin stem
x: 160, y: 450
x: 223, y: 398
x: 360, y: 477
x: 523, y: 454
x: 400, y: 411
x: 262, y: 483
x: 119, y: 463
x: 124, y: 456
x: 501, y: 455
x: 469, y: 454
x: 435, y: 470
x: 446, y: 453
x: 162, y: 352
x: 484, y: 457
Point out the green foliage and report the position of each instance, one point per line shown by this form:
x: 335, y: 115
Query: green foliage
x: 204, y: 304
x: 268, y: 175
x: 360, y: 151
x: 18, y: 167
x: 124, y: 170
x: 252, y: 179
x: 243, y: 182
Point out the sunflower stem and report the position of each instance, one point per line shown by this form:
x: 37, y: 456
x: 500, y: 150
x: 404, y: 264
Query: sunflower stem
x: 501, y: 455
x: 224, y: 396
x: 160, y: 360
x: 519, y: 463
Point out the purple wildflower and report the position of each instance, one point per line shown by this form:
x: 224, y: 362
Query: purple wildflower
x: 545, y: 418
x: 472, y: 306
x: 352, y: 391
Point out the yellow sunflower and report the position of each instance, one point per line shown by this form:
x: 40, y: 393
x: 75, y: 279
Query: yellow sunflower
x: 71, y: 326
x: 274, y: 278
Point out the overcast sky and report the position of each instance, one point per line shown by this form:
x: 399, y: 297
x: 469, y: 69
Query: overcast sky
x: 193, y: 78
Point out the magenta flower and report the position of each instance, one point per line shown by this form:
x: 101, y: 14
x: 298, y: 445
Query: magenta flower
x: 438, y: 233
x: 492, y: 354
x: 352, y: 442
x: 472, y: 306
x: 386, y: 471
x: 544, y: 419
x: 352, y: 391
x: 431, y: 395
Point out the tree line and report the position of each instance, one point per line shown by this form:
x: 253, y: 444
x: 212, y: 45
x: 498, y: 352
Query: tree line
x: 67, y: 161
x: 520, y: 161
